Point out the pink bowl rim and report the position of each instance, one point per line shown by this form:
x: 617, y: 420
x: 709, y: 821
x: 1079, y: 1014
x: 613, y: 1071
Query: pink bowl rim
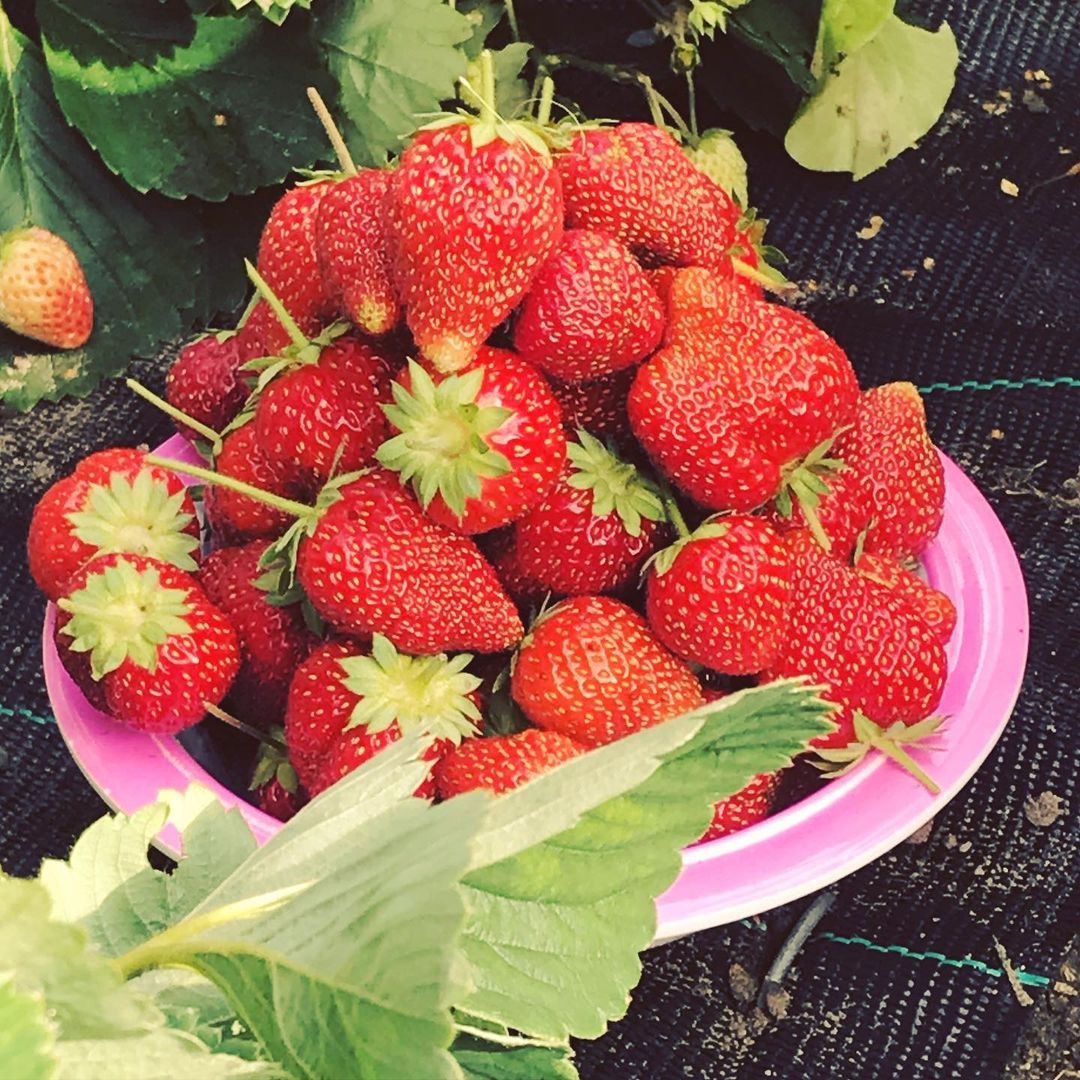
x: 809, y: 846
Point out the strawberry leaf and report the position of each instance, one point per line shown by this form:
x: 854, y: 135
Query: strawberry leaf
x: 141, y: 254
x: 877, y: 101
x: 520, y: 1063
x: 223, y: 96
x: 26, y: 1038
x: 393, y: 61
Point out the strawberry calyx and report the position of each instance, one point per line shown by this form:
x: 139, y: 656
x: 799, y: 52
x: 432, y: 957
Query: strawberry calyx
x: 273, y: 763
x: 428, y: 693
x: 139, y: 516
x: 441, y: 448
x: 890, y: 741
x: 660, y: 562
x: 616, y: 485
x: 803, y: 481
x: 124, y: 613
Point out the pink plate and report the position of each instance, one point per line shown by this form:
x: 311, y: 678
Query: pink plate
x: 829, y: 834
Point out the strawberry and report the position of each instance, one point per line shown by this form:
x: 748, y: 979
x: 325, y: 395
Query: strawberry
x: 502, y: 552
x: 716, y: 154
x: 720, y: 596
x: 278, y: 800
x: 113, y: 501
x: 634, y: 182
x: 353, y: 245
x: 206, y: 382
x: 43, y: 291
x: 749, y: 805
x: 591, y: 668
x: 595, y: 528
x: 274, y: 779
x: 867, y: 646
x: 598, y: 406
x: 158, y: 647
x: 321, y: 409
x: 590, y: 311
x: 273, y: 635
x: 374, y: 563
x: 288, y: 261
x: 346, y: 703
x: 500, y: 763
x: 234, y: 517
x: 745, y: 399
x: 934, y: 606
x: 480, y: 446
x: 474, y: 210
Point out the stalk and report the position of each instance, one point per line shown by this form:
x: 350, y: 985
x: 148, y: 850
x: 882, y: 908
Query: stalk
x: 333, y: 133
x: 276, y: 305
x: 178, y: 415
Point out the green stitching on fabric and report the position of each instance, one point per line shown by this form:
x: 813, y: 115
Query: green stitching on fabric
x: 25, y: 714
x: 1026, y: 977
x: 1000, y: 384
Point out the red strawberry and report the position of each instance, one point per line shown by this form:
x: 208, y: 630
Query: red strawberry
x: 720, y: 596
x: 236, y: 518
x: 598, y: 406
x: 501, y: 551
x: 590, y: 311
x: 868, y: 646
x: 473, y: 213
x: 322, y: 410
x: 748, y: 806
x: 594, y: 529
x: 744, y: 400
x: 934, y: 606
x: 43, y: 292
x: 205, y: 381
x: 500, y: 763
x: 273, y: 636
x: 113, y: 501
x: 480, y: 446
x: 634, y: 182
x: 375, y: 563
x: 591, y: 668
x: 347, y: 703
x: 278, y: 801
x: 275, y: 781
x: 262, y: 333
x: 353, y: 243
x: 289, y: 264
x: 160, y: 649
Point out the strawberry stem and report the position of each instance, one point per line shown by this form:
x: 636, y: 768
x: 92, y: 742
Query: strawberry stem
x: 511, y: 18
x: 333, y: 133
x: 247, y: 729
x: 279, y: 502
x: 547, y: 96
x: 178, y: 415
x: 276, y: 305
x: 488, y: 114
x: 751, y: 273
x: 893, y: 750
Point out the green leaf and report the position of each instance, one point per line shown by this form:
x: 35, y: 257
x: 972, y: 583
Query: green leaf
x: 224, y: 97
x: 846, y: 26
x: 26, y: 1039
x: 141, y: 255
x: 877, y: 102
x: 517, y: 1063
x: 394, y: 60
x: 274, y: 10
x: 562, y: 899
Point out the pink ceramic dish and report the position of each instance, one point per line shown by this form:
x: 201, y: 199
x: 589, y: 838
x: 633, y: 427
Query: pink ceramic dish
x: 829, y: 834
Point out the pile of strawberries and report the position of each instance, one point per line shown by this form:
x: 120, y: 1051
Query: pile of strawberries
x: 512, y: 447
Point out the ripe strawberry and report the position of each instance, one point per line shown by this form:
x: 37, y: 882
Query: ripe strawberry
x: 235, y: 518
x: 261, y: 334
x: 868, y: 646
x: 590, y: 311
x: 748, y: 806
x: 591, y: 668
x: 500, y: 763
x: 157, y: 645
x: 720, y: 596
x: 595, y: 528
x: 634, y: 182
x: 744, y: 400
x: 43, y: 292
x: 206, y: 382
x: 501, y: 551
x: 288, y: 261
x: 113, y: 501
x: 473, y: 213
x: 275, y: 782
x: 353, y: 244
x: 277, y: 800
x: 480, y: 446
x: 346, y: 703
x: 375, y: 563
x: 273, y: 635
x: 934, y: 606
x: 598, y: 406
x: 322, y: 409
